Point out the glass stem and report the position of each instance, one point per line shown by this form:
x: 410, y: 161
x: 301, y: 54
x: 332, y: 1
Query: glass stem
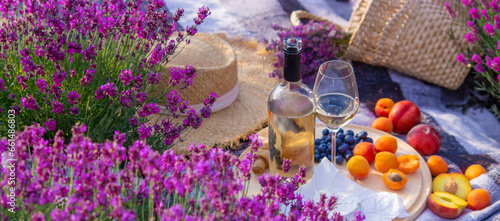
x: 334, y: 146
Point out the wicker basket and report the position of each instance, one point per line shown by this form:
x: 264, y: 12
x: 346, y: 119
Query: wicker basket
x: 409, y: 36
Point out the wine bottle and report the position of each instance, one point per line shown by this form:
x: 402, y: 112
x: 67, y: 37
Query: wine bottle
x: 291, y: 116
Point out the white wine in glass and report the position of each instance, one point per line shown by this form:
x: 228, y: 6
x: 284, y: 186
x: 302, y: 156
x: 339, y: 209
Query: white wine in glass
x: 336, y: 97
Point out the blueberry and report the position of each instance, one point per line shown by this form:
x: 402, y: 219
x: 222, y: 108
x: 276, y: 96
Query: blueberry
x: 317, y: 141
x: 322, y: 148
x: 348, y: 156
x: 316, y: 157
x: 329, y: 144
x: 368, y: 139
x: 349, y: 132
x: 343, y: 148
x: 340, y: 131
x: 325, y: 132
x: 322, y: 155
x: 349, y: 139
x: 316, y: 151
x: 357, y: 139
x: 351, y: 147
x: 323, y: 142
x: 329, y: 157
x: 329, y: 150
x: 363, y: 134
x: 338, y: 141
x: 328, y: 138
x: 356, y: 136
x: 323, y: 138
x: 339, y: 159
x: 340, y: 137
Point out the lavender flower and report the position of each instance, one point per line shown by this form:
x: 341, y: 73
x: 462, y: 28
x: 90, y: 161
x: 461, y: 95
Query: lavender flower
x: 153, y: 78
x: 144, y: 131
x: 2, y: 85
x: 474, y: 13
x: 126, y: 77
x: 58, y: 77
x: 476, y: 58
x: 74, y: 110
x: 286, y: 165
x: 57, y: 107
x: 22, y: 81
x: 29, y: 103
x: 73, y: 97
x: 51, y: 124
x: 494, y: 5
x: 42, y: 85
x: 450, y: 10
x: 148, y: 109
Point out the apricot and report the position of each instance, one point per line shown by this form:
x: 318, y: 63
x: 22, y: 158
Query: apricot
x: 383, y: 107
x: 383, y: 124
x: 474, y: 171
x: 408, y: 163
x: 384, y: 161
x: 366, y: 150
x: 358, y: 167
x: 394, y: 179
x: 478, y: 199
x: 386, y: 143
x: 437, y: 165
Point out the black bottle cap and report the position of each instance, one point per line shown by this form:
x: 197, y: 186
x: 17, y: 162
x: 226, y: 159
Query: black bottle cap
x: 292, y: 47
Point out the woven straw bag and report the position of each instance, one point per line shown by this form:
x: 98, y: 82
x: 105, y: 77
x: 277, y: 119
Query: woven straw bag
x: 409, y: 36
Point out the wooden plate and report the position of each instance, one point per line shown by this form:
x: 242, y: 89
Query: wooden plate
x: 414, y: 193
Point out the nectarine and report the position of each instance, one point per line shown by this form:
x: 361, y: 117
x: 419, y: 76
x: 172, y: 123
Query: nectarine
x: 446, y: 205
x: 454, y: 183
x: 404, y: 115
x: 424, y: 139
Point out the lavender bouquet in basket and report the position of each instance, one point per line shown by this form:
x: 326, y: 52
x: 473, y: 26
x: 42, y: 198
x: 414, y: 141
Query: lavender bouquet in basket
x: 63, y: 62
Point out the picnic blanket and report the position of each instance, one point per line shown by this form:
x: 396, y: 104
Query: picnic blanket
x: 470, y: 133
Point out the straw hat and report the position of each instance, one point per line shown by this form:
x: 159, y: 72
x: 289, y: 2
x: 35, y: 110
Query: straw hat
x: 237, y: 71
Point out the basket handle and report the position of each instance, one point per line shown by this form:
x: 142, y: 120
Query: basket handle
x: 296, y: 15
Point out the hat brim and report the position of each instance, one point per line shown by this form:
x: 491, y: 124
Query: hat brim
x: 248, y: 113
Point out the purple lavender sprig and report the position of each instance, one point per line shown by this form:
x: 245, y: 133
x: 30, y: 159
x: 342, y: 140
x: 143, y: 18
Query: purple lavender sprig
x: 99, y: 64
x: 484, y: 52
x: 320, y: 42
x: 85, y: 180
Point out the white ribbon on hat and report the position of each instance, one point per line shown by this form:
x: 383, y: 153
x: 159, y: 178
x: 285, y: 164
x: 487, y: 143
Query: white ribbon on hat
x: 219, y: 104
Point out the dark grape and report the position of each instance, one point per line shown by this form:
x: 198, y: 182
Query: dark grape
x: 368, y: 139
x: 338, y: 142
x: 325, y: 132
x: 349, y: 139
x: 317, y: 141
x: 340, y: 137
x: 321, y: 155
x: 339, y: 159
x: 363, y: 134
x: 348, y: 156
x: 322, y: 148
x: 349, y: 132
x: 343, y: 148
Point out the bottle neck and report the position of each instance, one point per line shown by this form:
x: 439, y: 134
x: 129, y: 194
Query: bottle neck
x: 291, y: 66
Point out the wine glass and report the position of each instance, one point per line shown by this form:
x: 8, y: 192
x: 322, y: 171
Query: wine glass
x: 336, y: 97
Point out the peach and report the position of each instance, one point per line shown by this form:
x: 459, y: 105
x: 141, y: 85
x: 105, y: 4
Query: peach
x: 454, y: 183
x: 404, y: 115
x: 446, y: 205
x: 366, y: 150
x: 424, y: 139
x: 383, y: 107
